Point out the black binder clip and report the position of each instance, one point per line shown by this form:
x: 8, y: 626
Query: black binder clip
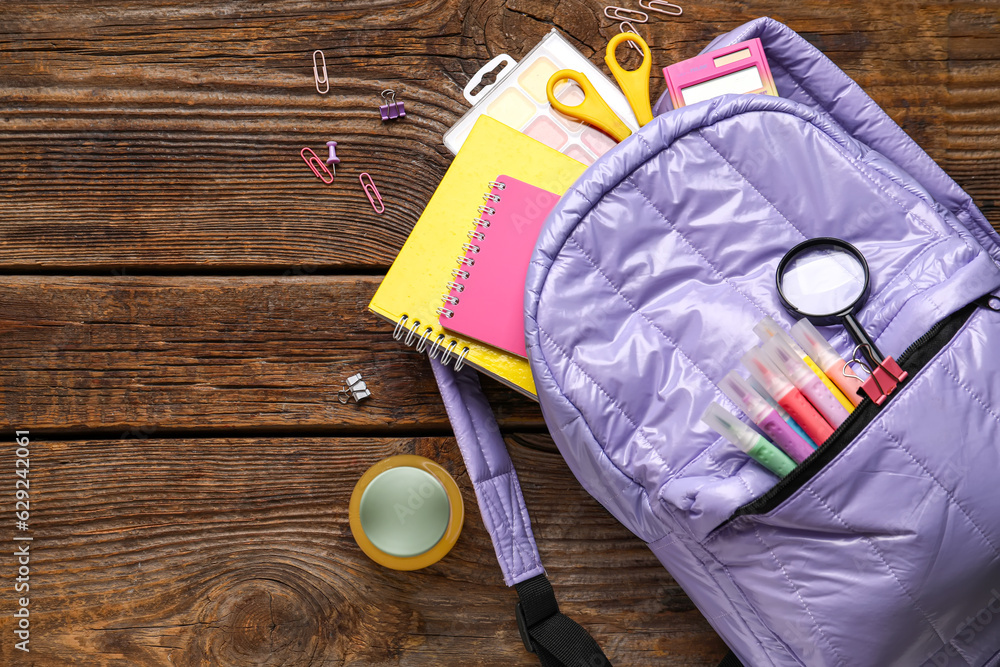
x: 392, y: 109
x: 355, y: 389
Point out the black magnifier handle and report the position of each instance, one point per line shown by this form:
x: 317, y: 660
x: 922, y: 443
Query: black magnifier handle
x: 862, y: 339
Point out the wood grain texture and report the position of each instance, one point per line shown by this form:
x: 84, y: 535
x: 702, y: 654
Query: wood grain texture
x: 163, y: 354
x: 168, y: 137
x: 177, y: 282
x: 239, y: 552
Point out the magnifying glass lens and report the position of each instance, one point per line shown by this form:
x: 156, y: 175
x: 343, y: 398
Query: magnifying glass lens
x: 823, y: 280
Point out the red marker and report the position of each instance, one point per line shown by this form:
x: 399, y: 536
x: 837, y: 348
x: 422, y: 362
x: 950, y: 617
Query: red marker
x: 788, y: 397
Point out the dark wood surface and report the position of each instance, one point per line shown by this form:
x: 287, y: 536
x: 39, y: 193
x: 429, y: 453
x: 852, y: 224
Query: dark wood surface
x: 180, y: 300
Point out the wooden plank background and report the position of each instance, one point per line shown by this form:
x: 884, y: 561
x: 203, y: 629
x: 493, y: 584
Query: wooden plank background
x: 180, y: 300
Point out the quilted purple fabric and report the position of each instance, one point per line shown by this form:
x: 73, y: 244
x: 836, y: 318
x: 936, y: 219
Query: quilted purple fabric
x: 643, y: 291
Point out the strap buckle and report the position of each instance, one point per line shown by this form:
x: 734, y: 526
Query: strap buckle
x: 522, y: 627
x: 556, y: 639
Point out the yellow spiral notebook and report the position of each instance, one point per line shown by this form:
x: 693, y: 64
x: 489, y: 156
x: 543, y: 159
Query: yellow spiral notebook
x: 412, y: 291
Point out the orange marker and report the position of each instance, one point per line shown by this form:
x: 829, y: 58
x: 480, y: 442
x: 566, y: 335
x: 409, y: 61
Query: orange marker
x: 817, y: 347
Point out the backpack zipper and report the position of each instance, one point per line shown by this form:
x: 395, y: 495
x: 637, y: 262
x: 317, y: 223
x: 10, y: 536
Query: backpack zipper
x: 916, y: 356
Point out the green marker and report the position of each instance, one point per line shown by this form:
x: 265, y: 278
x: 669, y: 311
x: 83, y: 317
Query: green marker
x: 759, y: 448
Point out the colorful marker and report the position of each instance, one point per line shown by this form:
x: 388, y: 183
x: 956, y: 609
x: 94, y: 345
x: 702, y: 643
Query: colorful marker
x: 788, y: 397
x: 833, y: 365
x: 755, y: 445
x: 768, y: 328
x: 766, y: 417
x: 781, y: 411
x: 805, y: 381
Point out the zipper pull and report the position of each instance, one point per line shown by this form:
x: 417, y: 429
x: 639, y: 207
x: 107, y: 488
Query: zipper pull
x: 989, y: 301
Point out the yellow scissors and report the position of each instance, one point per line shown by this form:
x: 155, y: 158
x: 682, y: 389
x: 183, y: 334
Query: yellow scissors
x: 593, y: 109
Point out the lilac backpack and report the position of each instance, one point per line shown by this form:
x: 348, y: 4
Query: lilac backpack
x: 882, y: 548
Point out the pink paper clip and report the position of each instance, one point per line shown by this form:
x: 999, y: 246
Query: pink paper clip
x: 370, y: 189
x: 317, y: 166
x: 320, y: 80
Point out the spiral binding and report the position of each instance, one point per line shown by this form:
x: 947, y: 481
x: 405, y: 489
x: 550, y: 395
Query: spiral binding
x: 420, y: 340
x: 463, y: 260
x: 419, y: 336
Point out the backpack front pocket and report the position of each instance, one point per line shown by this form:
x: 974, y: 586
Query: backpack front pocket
x: 898, y: 524
x: 913, y: 360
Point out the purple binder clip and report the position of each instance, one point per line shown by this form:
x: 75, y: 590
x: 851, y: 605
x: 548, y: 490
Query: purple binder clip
x: 391, y: 109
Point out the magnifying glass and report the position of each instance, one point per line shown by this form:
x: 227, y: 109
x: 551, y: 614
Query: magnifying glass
x: 826, y: 281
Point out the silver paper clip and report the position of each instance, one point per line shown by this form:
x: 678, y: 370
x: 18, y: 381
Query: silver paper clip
x: 372, y: 192
x: 625, y: 14
x: 324, y: 79
x: 670, y: 8
x: 354, y: 389
x: 627, y: 26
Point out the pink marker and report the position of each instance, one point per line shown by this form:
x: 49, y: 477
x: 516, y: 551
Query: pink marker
x: 768, y: 328
x: 817, y: 347
x: 805, y: 381
x: 767, y: 418
x: 788, y: 397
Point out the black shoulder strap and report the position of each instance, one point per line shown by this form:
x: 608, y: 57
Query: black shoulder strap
x: 558, y: 640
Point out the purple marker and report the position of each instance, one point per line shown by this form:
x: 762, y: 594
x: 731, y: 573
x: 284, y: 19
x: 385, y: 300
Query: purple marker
x: 759, y: 388
x: 762, y: 414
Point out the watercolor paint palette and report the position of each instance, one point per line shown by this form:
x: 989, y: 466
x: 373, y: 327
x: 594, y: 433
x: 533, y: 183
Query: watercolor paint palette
x: 518, y: 100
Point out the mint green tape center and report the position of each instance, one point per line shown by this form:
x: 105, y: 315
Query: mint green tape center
x: 404, y: 511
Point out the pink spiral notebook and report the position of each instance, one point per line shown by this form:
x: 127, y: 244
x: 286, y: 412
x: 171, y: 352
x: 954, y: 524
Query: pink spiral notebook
x: 486, y: 301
